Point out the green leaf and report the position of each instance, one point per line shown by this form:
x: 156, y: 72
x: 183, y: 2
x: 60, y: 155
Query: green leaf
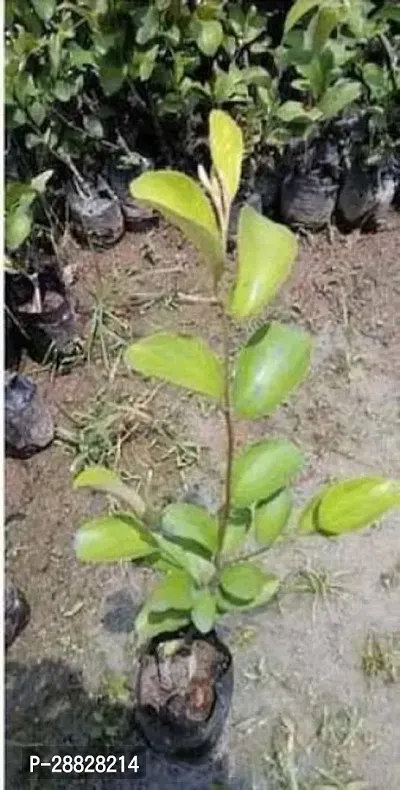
x: 266, y: 251
x: 297, y: 11
x: 44, y: 8
x: 227, y: 148
x: 18, y: 228
x: 63, y: 91
x: 271, y: 517
x: 243, y: 581
x: 40, y: 181
x: 183, y: 203
x: 210, y: 37
x: 149, y: 624
x: 375, y: 77
x: 192, y: 523
x: 327, y: 20
x: 295, y: 111
x: 93, y: 126
x: 339, y: 96
x: 354, y: 504
x: 111, y: 78
x: 256, y: 75
x: 269, y: 367
x: 81, y: 57
x: 148, y: 62
x: 200, y: 569
x: 229, y: 86
x: 204, y: 612
x: 111, y: 538
x: 172, y: 592
x: 308, y: 517
x: 37, y: 112
x: 262, y: 469
x: 269, y: 589
x: 389, y: 11
x: 99, y: 478
x: 236, y: 531
x: 149, y: 28
x: 179, y: 359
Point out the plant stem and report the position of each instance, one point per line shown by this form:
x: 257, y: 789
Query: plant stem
x: 230, y: 439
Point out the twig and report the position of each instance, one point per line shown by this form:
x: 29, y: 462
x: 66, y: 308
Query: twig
x: 167, y: 270
x: 147, y: 296
x: 250, y: 556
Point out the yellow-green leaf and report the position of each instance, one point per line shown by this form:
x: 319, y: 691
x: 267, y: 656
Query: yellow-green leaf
x: 191, y: 523
x: 353, y: 504
x: 237, y: 529
x: 111, y: 538
x: 44, y: 8
x: 210, y: 37
x: 174, y: 591
x: 269, y: 589
x: 204, y: 611
x: 271, y: 517
x: 200, y: 569
x: 266, y: 252
x: 99, y: 478
x: 328, y: 19
x: 243, y: 581
x: 308, y: 523
x: 263, y: 469
x: 270, y: 366
x: 179, y: 359
x: 291, y: 111
x: 182, y: 202
x: 149, y: 624
x: 18, y: 228
x: 226, y: 142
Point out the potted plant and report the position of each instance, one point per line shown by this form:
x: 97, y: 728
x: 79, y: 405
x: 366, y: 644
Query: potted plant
x: 210, y: 563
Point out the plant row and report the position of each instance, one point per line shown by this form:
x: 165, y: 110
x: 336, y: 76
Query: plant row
x: 95, y: 81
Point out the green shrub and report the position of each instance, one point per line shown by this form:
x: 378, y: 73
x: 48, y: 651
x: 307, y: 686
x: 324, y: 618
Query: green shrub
x: 71, y: 67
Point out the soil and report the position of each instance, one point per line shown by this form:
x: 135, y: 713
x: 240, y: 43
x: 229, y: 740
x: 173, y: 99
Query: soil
x: 310, y: 699
x: 182, y: 686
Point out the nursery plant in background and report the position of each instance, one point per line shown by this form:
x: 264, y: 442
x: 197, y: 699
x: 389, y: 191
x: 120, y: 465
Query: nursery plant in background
x: 211, y: 563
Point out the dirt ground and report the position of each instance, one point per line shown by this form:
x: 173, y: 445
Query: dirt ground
x: 317, y: 675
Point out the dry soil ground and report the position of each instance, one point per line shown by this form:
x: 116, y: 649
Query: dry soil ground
x: 317, y: 687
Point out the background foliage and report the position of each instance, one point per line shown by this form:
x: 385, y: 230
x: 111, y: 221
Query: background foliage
x: 94, y: 79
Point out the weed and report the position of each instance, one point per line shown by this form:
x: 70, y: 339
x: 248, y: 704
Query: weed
x: 259, y: 671
x: 339, y: 729
x: 381, y: 657
x: 391, y: 579
x: 318, y: 582
x: 107, y: 335
x: 332, y: 783
x: 115, y: 688
x: 282, y: 769
x: 98, y: 434
x: 244, y: 637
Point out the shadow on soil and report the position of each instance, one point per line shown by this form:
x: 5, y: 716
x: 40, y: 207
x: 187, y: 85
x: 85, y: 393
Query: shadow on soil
x: 49, y: 713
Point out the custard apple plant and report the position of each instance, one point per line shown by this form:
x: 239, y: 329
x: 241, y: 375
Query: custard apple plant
x: 209, y: 563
